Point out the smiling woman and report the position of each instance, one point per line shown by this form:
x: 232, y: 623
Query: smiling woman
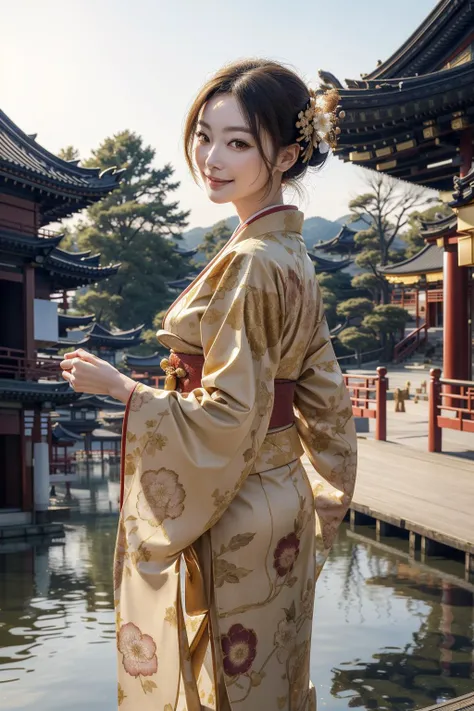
x: 212, y: 481
x: 242, y: 134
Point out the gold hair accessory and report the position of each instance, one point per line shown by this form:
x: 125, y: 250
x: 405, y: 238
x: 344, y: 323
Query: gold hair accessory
x: 318, y: 122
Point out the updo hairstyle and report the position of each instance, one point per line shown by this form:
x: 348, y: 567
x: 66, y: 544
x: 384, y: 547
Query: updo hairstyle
x: 270, y: 97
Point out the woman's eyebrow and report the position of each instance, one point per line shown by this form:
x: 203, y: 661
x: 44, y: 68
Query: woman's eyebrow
x: 228, y: 129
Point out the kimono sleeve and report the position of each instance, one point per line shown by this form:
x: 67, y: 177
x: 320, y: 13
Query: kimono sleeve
x: 187, y: 455
x: 326, y: 427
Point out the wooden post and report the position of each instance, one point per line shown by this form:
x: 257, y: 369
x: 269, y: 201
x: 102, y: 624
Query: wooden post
x: 381, y: 384
x: 456, y: 326
x: 417, y: 307
x: 456, y: 320
x: 434, y: 431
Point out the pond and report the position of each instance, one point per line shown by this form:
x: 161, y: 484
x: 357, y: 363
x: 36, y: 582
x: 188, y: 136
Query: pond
x: 389, y: 633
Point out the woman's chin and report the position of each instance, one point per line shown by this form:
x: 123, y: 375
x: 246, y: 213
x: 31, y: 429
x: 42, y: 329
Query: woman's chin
x: 218, y: 198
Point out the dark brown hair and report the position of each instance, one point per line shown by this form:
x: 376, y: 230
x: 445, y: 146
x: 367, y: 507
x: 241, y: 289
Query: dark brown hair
x: 270, y: 97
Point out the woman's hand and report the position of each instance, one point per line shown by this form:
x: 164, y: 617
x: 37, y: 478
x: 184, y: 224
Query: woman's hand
x: 88, y: 374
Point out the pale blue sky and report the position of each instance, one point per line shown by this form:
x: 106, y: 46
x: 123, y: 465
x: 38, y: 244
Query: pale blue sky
x: 76, y: 71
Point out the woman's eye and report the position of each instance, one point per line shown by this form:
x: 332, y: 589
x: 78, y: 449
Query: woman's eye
x: 240, y: 145
x: 201, y: 137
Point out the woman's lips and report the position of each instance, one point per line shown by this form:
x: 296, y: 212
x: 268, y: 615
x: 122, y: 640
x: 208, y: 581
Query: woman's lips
x: 216, y: 183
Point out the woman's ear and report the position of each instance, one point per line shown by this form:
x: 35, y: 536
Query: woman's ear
x: 287, y: 157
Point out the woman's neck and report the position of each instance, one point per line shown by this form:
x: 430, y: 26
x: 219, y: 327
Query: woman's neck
x: 254, y: 207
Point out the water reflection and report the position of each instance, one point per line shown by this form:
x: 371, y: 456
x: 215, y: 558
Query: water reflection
x: 57, y: 622
x: 398, y: 635
x: 388, y: 633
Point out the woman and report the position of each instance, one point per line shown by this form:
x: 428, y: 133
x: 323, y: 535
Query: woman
x: 213, y: 481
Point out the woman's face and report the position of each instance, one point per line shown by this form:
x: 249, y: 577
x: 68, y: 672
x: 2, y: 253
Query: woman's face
x: 227, y: 156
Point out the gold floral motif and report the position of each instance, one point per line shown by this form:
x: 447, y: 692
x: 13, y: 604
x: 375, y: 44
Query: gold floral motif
x: 171, y: 617
x: 186, y: 463
x: 161, y: 496
x: 121, y: 696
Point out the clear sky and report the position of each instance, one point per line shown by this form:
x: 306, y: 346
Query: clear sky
x: 76, y: 71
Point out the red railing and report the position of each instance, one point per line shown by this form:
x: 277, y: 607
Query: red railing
x: 410, y: 343
x: 13, y: 364
x: 405, y: 300
x: 26, y: 229
x: 451, y: 406
x: 435, y: 296
x: 369, y: 398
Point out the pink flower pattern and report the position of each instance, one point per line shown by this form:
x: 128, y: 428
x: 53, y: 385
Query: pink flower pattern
x: 139, y: 651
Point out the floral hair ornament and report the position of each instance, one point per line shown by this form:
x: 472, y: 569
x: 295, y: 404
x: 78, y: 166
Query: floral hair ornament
x: 317, y: 123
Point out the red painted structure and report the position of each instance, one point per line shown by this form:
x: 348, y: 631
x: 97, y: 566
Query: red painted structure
x: 412, y: 118
x: 451, y: 406
x: 36, y: 188
x: 369, y: 399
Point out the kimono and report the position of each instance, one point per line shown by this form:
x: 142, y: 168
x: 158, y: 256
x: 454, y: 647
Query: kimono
x: 221, y: 534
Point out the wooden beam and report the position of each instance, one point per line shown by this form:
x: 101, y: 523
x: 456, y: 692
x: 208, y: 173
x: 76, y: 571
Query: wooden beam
x: 11, y: 276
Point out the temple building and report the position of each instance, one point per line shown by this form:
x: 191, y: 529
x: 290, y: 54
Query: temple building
x: 328, y: 266
x: 343, y: 243
x: 412, y: 118
x: 417, y: 285
x: 36, y: 189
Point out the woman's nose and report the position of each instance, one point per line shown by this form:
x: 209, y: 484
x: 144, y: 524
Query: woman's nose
x: 214, y: 157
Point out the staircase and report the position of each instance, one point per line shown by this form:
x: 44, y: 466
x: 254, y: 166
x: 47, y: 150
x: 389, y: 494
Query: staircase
x: 430, y: 353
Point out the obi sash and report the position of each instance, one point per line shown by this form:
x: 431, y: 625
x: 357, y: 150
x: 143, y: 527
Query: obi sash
x: 184, y: 373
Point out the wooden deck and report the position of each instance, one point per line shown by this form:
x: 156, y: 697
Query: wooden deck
x: 429, y: 495
x: 463, y: 703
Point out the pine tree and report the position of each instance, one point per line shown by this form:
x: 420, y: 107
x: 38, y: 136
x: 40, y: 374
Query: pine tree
x: 136, y: 225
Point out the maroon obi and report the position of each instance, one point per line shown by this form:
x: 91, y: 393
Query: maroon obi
x: 282, y: 413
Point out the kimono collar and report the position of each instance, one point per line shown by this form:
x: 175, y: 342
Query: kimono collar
x: 278, y: 218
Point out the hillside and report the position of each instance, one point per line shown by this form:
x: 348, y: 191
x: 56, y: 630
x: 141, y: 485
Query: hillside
x: 315, y: 229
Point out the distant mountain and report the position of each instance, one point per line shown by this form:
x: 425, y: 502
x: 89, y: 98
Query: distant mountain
x: 315, y: 229
x: 192, y: 238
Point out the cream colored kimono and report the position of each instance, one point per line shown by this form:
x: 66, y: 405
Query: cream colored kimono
x: 209, y: 491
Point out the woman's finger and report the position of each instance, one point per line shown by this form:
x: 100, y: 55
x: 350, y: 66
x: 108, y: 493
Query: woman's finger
x: 66, y: 364
x: 82, y: 354
x: 68, y: 376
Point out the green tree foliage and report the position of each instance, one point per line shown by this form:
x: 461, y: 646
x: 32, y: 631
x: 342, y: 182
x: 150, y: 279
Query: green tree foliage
x: 412, y: 236
x: 335, y: 287
x: 387, y: 321
x: 354, y: 307
x: 358, y: 340
x: 367, y: 282
x: 69, y: 153
x: 215, y: 239
x: 135, y: 226
x: 385, y: 209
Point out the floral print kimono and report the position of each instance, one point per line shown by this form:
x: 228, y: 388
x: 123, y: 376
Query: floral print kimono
x: 221, y: 535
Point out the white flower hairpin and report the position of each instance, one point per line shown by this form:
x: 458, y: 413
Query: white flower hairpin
x: 317, y: 123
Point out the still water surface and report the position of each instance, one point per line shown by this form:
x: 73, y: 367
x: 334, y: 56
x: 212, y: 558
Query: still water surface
x: 388, y: 633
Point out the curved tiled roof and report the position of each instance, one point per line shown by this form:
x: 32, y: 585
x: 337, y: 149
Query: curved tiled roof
x: 328, y: 265
x: 431, y: 43
x: 463, y: 190
x: 60, y: 186
x: 429, y: 259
